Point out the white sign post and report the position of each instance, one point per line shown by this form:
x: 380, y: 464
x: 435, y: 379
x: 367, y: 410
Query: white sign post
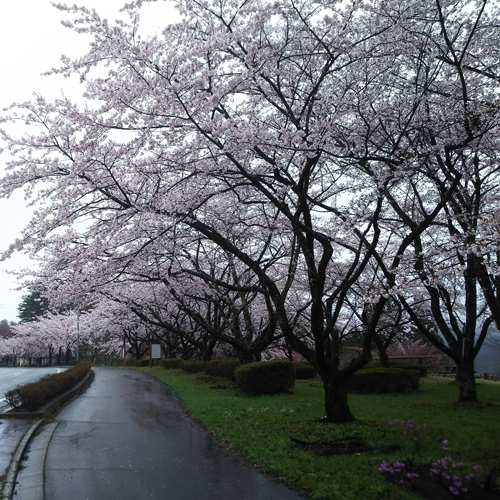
x: 154, y: 353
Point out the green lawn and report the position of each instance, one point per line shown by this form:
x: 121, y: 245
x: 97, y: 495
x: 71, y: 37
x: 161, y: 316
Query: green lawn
x: 259, y: 429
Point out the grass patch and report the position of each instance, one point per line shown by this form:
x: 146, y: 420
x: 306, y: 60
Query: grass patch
x: 259, y: 429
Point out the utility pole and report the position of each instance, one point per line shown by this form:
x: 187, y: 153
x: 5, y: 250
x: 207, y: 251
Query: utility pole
x: 77, y: 331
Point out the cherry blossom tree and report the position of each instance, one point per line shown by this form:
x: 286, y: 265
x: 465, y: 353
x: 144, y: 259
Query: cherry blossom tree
x: 448, y: 154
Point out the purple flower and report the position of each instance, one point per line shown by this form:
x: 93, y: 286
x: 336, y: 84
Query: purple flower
x: 476, y: 468
x: 454, y: 491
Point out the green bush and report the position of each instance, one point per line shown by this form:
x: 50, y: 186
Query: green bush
x: 141, y: 363
x: 171, y: 363
x: 380, y: 380
x: 222, y: 367
x: 266, y: 377
x: 407, y: 365
x: 304, y: 370
x: 403, y: 365
x: 192, y: 366
x: 31, y: 397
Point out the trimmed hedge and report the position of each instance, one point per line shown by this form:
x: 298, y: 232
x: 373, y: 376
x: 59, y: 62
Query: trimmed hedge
x: 403, y: 365
x: 266, y: 377
x: 32, y: 397
x: 381, y: 380
x: 304, y: 370
x: 141, y: 363
x: 192, y: 366
x: 222, y: 367
x: 171, y: 363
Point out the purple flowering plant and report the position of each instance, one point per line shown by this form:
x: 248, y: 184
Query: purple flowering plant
x: 455, y: 477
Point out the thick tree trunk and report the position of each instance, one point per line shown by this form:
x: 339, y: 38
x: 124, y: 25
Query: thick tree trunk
x: 384, y: 359
x: 466, y: 382
x: 337, y: 409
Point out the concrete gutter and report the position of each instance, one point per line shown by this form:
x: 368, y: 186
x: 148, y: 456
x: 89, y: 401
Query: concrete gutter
x: 60, y: 400
x: 10, y: 482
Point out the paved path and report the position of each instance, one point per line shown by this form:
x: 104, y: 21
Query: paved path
x: 126, y: 438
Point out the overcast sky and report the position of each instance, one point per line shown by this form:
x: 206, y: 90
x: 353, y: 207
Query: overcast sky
x: 32, y: 40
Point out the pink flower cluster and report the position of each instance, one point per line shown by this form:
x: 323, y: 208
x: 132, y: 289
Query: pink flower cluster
x: 448, y: 473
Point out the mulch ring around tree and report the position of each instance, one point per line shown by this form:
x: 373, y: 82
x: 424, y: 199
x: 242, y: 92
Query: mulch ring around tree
x: 345, y: 446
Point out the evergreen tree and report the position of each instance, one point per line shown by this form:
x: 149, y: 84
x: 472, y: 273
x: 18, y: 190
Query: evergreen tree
x: 32, y: 306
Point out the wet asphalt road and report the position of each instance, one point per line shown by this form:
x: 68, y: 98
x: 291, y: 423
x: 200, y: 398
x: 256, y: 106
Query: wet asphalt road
x: 126, y: 438
x: 10, y: 378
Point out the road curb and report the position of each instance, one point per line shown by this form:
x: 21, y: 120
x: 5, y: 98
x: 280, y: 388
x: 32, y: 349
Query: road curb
x: 10, y: 482
x: 60, y: 400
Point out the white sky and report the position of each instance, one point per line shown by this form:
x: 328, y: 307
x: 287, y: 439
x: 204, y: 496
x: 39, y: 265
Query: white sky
x: 32, y: 40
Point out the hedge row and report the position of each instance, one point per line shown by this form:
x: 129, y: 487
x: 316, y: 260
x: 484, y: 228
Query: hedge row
x: 403, y: 365
x: 270, y: 377
x: 32, y: 397
x: 266, y: 377
x: 262, y: 378
x: 222, y: 367
x: 381, y: 380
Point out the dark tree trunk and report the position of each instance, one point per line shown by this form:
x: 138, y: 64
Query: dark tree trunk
x: 466, y: 382
x: 384, y: 359
x: 208, y: 351
x: 337, y: 409
x: 246, y: 357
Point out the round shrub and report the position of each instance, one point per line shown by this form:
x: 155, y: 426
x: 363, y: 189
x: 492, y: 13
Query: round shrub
x: 265, y: 377
x: 192, y: 366
x: 304, y: 370
x: 222, y: 367
x: 171, y: 363
x: 381, y: 380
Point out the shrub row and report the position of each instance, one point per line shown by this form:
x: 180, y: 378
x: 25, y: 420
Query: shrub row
x: 31, y: 397
x: 266, y: 377
x: 222, y: 367
x: 271, y: 377
x: 403, y: 365
x: 304, y: 370
x: 171, y: 363
x: 381, y: 380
